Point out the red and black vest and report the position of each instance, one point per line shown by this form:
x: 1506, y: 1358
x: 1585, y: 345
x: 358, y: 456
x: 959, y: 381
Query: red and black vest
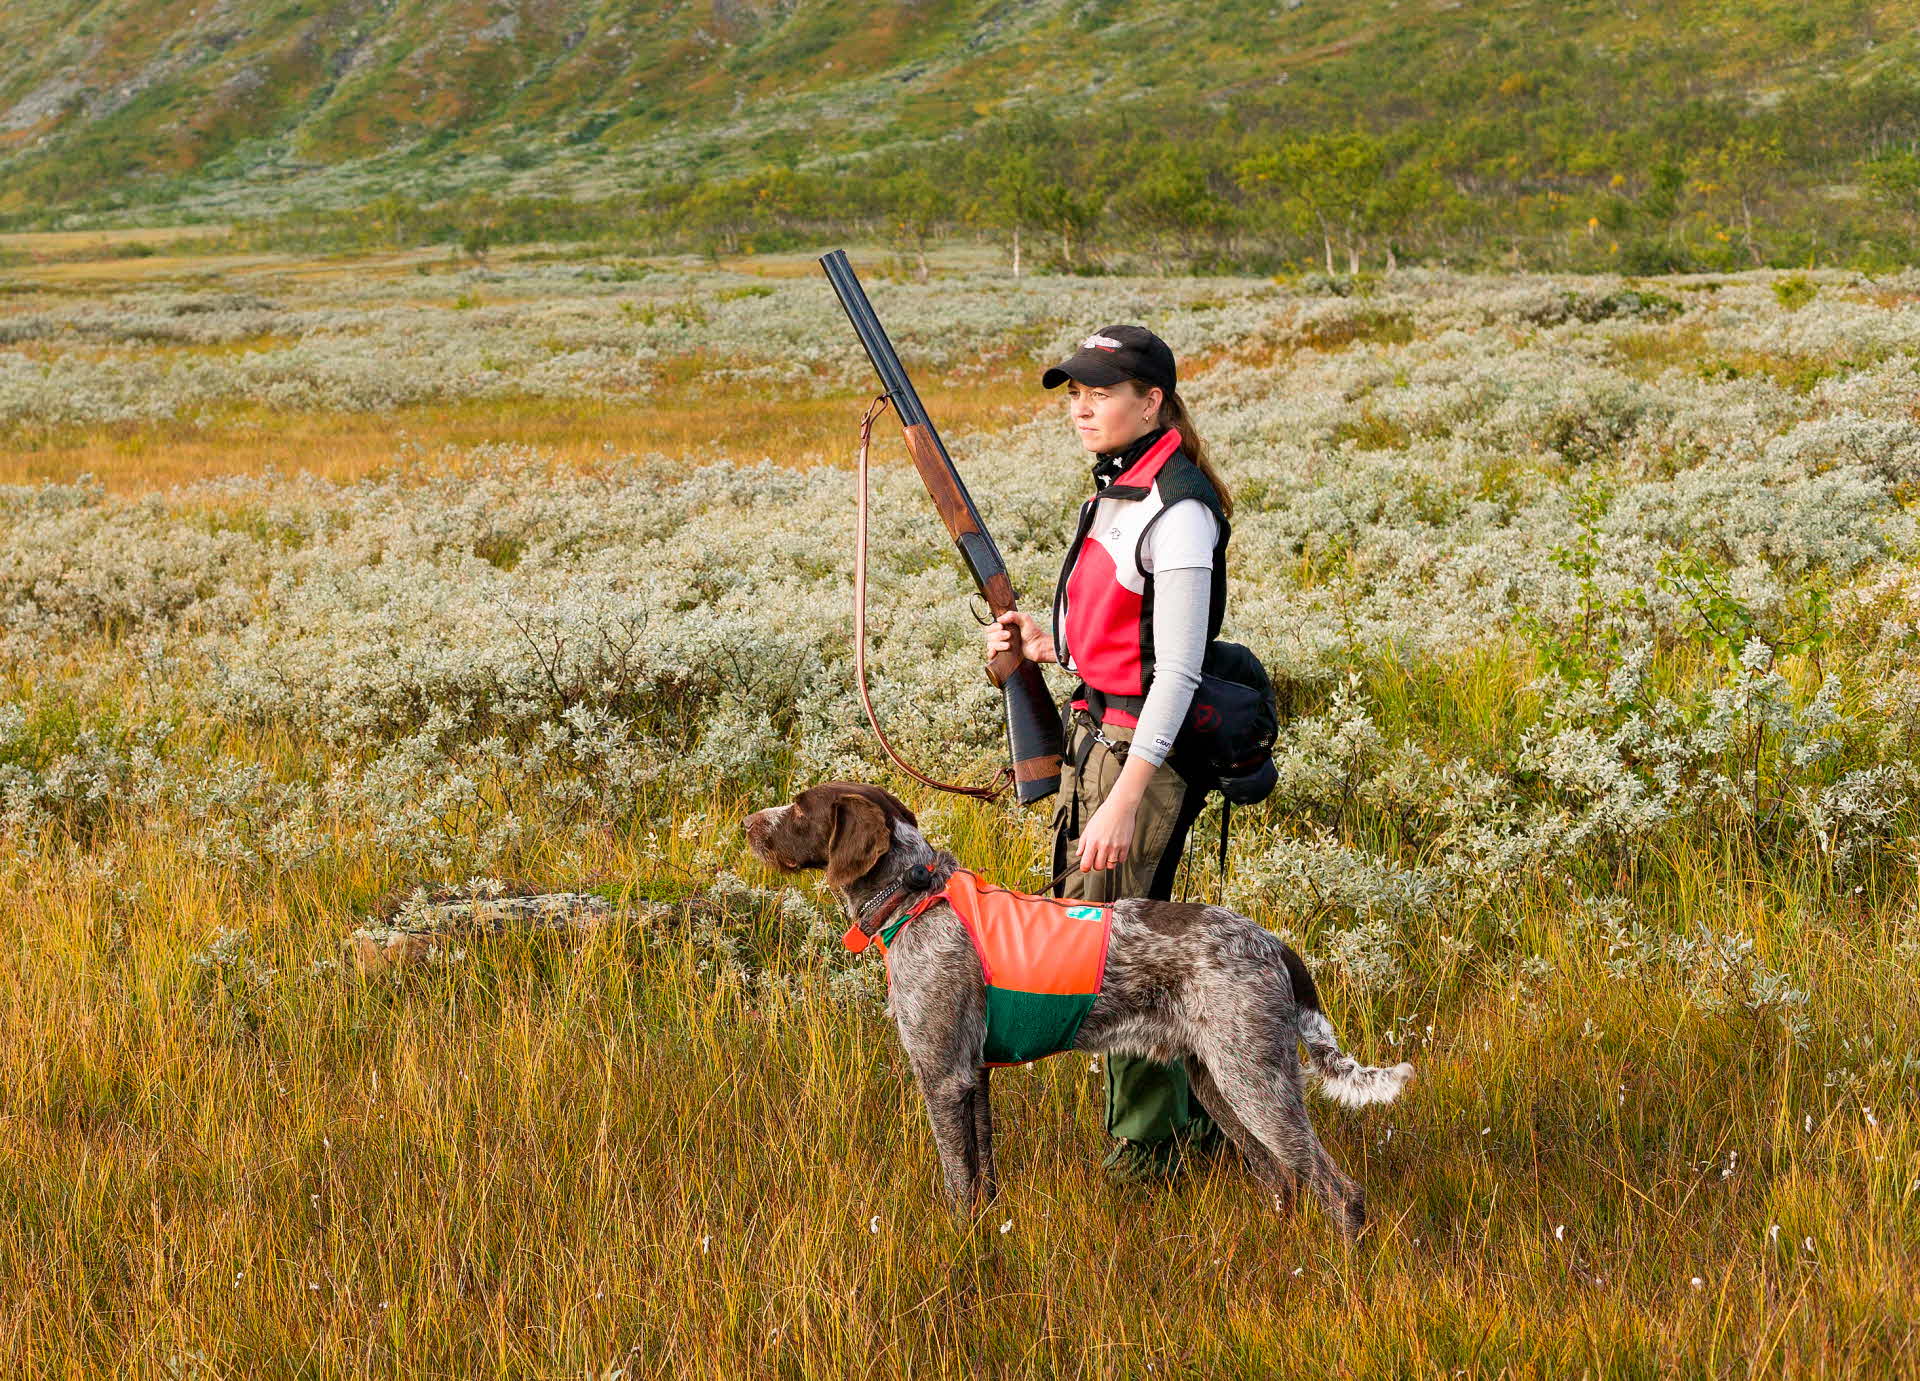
x: 1103, y: 606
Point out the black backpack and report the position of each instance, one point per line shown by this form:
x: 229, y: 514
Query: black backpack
x: 1226, y: 745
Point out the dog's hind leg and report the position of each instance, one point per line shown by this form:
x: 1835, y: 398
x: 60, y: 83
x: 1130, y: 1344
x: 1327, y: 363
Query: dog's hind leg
x: 986, y: 1175
x: 1271, y: 1171
x: 1261, y: 1083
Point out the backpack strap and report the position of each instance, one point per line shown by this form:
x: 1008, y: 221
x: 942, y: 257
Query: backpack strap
x: 1226, y: 814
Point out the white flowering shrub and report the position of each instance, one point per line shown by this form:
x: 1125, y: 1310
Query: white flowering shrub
x: 1680, y: 568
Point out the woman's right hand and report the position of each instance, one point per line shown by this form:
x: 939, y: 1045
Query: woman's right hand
x: 1036, y: 644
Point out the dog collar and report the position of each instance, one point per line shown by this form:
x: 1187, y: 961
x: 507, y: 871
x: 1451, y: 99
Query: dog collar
x: 878, y: 912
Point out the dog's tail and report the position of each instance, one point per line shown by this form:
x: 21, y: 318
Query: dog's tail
x: 1342, y: 1078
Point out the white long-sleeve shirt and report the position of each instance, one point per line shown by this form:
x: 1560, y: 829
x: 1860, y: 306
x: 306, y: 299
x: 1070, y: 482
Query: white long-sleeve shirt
x: 1179, y: 554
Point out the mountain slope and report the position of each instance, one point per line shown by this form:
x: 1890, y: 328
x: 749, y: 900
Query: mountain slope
x: 125, y: 109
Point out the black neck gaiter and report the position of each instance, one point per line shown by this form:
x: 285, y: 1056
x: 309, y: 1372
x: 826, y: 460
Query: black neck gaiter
x: 1110, y: 465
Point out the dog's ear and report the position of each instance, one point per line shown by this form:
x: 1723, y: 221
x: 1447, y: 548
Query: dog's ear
x: 897, y: 806
x: 861, y: 836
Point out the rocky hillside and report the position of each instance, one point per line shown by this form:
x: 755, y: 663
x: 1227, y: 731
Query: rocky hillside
x: 129, y: 97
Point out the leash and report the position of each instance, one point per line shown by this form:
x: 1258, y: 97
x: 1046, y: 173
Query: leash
x: 1005, y: 778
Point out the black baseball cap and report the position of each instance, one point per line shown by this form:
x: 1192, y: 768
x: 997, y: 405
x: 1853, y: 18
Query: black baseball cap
x: 1113, y: 354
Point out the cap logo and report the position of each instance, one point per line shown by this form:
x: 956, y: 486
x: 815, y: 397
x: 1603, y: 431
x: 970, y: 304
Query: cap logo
x: 1101, y: 343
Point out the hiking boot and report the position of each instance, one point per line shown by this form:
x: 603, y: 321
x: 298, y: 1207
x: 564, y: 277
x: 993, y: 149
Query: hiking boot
x: 1143, y: 1162
x: 1209, y: 1142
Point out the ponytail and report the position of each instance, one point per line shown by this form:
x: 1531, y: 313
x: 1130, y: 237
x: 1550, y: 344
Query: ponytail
x: 1173, y: 413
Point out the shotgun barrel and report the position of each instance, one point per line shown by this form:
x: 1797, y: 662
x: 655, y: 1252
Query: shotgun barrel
x: 1033, y: 726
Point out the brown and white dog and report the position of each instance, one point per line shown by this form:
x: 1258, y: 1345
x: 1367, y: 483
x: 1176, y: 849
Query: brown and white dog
x: 1197, y: 984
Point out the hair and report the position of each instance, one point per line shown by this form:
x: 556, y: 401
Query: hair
x: 1173, y: 413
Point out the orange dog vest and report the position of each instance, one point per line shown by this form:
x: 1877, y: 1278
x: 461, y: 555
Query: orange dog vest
x: 1044, y: 961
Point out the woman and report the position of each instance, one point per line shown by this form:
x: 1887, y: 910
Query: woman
x: 1141, y: 593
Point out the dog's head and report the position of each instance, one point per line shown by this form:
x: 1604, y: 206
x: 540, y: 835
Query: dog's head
x: 844, y: 827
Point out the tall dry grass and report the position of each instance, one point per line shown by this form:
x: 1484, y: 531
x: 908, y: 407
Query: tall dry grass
x: 241, y: 1160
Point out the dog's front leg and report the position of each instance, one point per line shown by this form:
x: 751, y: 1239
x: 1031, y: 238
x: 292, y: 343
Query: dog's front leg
x: 951, y: 1095
x: 986, y: 1177
x: 940, y: 1005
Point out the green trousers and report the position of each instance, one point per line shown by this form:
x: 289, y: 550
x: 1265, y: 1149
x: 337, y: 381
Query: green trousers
x: 1146, y: 1102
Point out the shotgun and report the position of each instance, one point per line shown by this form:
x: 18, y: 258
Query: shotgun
x: 1033, y: 725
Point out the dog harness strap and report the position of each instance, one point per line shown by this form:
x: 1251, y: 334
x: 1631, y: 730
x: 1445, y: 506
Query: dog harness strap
x: 919, y: 878
x: 899, y: 922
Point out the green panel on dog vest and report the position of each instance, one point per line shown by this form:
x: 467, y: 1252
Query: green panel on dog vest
x: 1030, y: 1026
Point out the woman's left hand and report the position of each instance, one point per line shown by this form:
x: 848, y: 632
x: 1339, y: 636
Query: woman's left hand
x: 1108, y: 837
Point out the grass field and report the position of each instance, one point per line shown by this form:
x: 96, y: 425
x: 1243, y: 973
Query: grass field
x: 1594, y: 607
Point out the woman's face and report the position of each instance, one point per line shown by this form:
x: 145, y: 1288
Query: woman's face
x: 1110, y: 419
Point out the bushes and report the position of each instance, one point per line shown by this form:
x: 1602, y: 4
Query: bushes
x: 1448, y: 472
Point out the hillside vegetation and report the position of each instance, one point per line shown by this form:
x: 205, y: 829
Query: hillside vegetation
x: 1595, y: 608
x: 1202, y: 133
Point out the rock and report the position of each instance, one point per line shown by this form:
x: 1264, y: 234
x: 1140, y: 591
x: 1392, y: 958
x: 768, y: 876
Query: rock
x: 414, y: 928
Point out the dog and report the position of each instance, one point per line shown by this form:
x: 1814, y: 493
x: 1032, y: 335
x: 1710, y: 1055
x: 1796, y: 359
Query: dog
x: 1200, y: 985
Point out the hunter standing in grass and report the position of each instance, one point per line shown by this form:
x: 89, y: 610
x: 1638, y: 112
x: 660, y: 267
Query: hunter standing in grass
x: 1141, y: 594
